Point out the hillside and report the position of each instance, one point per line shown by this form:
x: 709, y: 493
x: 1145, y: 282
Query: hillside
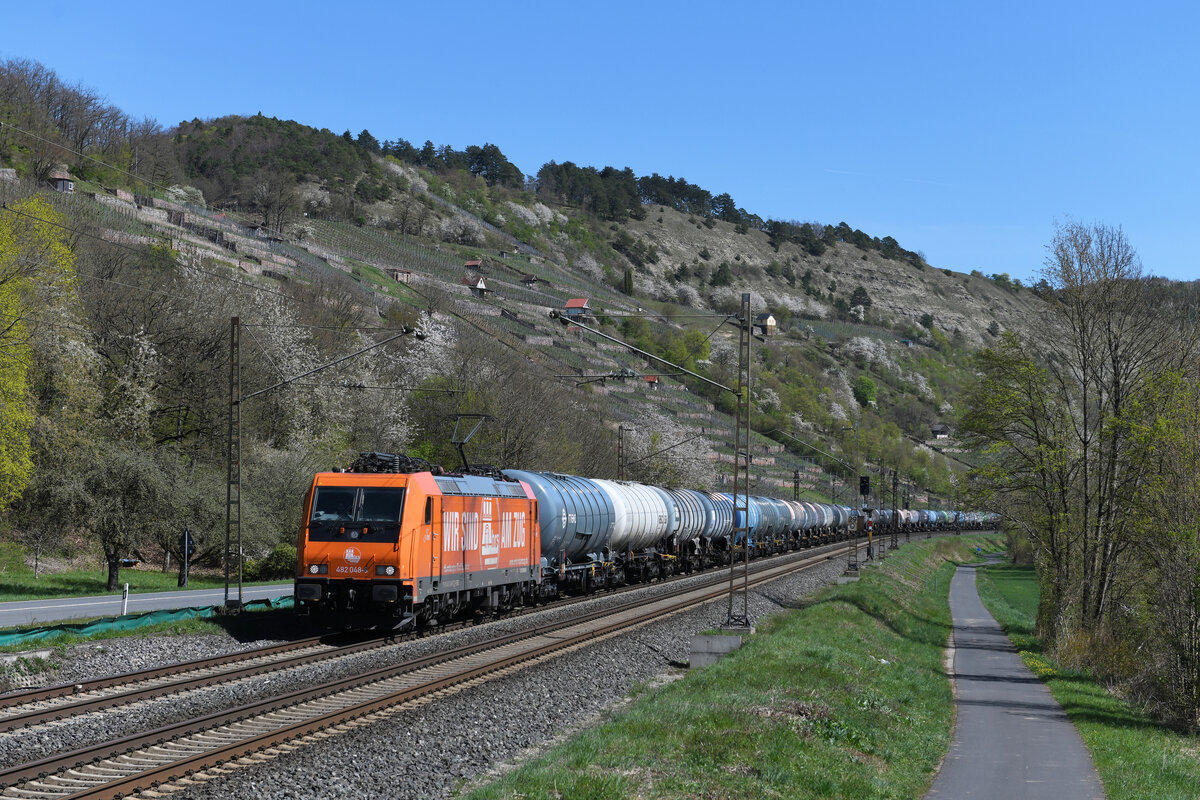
x: 321, y: 243
x: 901, y: 293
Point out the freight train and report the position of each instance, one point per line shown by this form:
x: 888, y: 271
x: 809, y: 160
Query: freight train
x: 397, y: 542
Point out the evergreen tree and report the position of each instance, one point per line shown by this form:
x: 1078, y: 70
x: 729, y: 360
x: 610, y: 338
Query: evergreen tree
x: 860, y: 298
x: 368, y: 142
x: 723, y: 276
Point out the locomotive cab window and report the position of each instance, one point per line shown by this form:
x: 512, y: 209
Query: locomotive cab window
x: 334, y: 503
x: 381, y: 505
x: 367, y: 514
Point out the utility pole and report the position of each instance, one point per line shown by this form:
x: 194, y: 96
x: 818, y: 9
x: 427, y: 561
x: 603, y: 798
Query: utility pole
x: 233, y: 485
x: 851, y: 553
x: 741, y: 481
x: 895, y: 522
x: 864, y: 489
x: 741, y: 453
x: 929, y: 530
x: 233, y: 464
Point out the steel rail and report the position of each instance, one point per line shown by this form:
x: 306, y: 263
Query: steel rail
x: 55, y: 703
x: 27, y: 696
x: 67, y: 775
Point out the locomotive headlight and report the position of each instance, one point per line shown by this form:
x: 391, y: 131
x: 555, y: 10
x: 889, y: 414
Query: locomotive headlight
x: 314, y: 569
x: 318, y: 569
x: 388, y: 570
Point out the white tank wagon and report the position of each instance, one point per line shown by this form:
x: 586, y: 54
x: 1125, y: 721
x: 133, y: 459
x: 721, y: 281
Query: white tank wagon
x: 640, y: 513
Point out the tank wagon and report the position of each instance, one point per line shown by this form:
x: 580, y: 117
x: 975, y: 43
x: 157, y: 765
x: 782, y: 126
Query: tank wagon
x: 396, y: 541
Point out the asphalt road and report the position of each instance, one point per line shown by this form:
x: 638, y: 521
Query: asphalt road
x: 26, y: 612
x: 1012, y: 740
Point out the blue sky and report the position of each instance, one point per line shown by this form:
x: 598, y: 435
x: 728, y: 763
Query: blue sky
x: 964, y: 130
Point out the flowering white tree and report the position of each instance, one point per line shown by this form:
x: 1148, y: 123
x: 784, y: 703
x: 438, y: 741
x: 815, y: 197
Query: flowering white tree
x: 766, y: 398
x: 663, y: 452
x: 132, y: 398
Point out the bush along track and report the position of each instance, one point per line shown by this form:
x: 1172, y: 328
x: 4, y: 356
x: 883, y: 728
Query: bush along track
x: 845, y: 695
x: 1136, y: 757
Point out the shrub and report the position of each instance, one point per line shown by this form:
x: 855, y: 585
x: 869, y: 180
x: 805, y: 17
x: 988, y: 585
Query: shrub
x: 864, y: 390
x: 279, y: 563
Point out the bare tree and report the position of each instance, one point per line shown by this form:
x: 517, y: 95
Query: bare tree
x: 273, y: 194
x: 1056, y: 414
x: 1104, y: 352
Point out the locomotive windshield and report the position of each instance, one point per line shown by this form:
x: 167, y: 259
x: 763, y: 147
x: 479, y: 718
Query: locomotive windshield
x: 381, y: 505
x: 334, y: 503
x: 370, y: 514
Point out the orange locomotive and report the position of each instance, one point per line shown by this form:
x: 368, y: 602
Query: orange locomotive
x: 412, y: 547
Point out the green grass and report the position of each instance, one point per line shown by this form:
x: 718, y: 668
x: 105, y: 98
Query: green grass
x: 21, y: 585
x: 1136, y: 757
x: 807, y: 708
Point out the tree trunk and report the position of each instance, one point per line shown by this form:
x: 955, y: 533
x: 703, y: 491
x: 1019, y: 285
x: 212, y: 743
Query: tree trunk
x: 114, y: 572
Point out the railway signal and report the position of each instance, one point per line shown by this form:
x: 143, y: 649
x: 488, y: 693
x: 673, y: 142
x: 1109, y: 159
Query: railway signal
x: 187, y: 546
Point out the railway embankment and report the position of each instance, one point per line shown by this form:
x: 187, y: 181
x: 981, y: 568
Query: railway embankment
x: 844, y: 694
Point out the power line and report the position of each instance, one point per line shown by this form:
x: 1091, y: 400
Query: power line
x: 319, y: 327
x: 379, y: 388
x: 17, y: 318
x: 263, y: 350
x: 79, y: 153
x: 335, y: 362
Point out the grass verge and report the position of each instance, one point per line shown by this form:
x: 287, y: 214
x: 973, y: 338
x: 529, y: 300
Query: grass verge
x: 1136, y: 757
x: 843, y: 696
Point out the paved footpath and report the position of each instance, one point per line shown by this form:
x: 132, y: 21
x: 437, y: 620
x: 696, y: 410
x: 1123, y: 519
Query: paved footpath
x: 1012, y: 740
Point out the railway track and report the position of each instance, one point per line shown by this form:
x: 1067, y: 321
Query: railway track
x: 39, y: 706
x: 146, y: 760
x: 55, y: 703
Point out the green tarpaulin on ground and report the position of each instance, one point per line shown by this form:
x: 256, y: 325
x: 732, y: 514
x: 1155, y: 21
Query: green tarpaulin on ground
x: 127, y: 622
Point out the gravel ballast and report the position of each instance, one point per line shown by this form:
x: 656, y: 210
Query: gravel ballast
x: 429, y: 750
x: 433, y: 749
